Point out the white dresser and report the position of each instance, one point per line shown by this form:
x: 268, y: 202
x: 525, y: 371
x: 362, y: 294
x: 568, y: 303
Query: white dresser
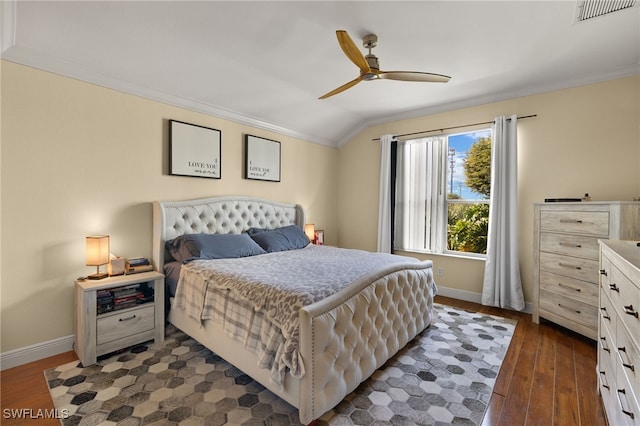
x: 565, y: 269
x: 619, y: 331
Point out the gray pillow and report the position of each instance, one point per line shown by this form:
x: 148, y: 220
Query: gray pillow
x: 281, y: 239
x: 212, y: 246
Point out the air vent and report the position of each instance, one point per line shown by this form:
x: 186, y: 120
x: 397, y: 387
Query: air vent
x: 588, y: 9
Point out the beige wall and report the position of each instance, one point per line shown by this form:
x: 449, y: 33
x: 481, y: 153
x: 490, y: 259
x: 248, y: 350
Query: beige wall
x: 78, y: 159
x: 585, y: 139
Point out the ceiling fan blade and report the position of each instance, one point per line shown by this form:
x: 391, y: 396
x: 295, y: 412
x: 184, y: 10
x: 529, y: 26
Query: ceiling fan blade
x: 414, y: 76
x: 351, y: 50
x: 342, y: 88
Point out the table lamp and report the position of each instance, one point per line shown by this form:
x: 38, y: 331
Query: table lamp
x: 97, y: 254
x: 310, y: 230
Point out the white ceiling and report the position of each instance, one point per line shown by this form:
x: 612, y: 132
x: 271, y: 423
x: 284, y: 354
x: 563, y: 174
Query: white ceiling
x: 266, y: 63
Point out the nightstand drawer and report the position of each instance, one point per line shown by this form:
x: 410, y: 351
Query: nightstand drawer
x: 123, y: 324
x: 575, y: 222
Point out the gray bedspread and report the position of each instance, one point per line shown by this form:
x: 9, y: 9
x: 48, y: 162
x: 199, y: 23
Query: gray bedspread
x: 276, y: 286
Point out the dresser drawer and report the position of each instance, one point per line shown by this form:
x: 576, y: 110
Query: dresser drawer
x: 575, y: 222
x: 582, y: 291
x: 629, y: 357
x: 625, y: 299
x: 123, y: 324
x: 607, y: 345
x: 570, y: 245
x: 573, y: 267
x: 608, y: 316
x: 607, y: 382
x: 570, y: 309
x: 628, y: 408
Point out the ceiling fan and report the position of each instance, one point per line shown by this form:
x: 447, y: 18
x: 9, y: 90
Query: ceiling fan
x: 370, y: 68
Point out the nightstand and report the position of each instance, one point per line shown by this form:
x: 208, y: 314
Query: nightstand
x: 104, y: 328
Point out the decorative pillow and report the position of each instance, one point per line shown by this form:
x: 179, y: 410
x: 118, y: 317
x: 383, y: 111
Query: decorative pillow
x: 280, y: 239
x: 212, y: 246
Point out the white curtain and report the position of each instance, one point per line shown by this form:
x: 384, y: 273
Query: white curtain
x: 384, y: 199
x: 421, y: 194
x: 502, y: 283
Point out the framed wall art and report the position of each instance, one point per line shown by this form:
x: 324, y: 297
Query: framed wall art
x: 194, y: 150
x: 262, y: 159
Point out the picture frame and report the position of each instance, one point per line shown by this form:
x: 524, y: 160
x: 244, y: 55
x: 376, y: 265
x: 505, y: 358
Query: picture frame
x: 262, y: 159
x: 194, y: 150
x: 319, y: 237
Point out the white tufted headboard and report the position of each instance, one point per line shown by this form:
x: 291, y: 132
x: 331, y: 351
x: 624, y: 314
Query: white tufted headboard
x: 217, y: 215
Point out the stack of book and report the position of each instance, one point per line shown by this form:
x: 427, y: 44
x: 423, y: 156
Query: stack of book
x: 127, y: 297
x: 138, y: 264
x: 105, y: 301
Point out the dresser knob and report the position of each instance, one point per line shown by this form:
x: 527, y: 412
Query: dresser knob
x: 614, y: 287
x: 603, y: 272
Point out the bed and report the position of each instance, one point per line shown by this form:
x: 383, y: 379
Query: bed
x: 341, y: 338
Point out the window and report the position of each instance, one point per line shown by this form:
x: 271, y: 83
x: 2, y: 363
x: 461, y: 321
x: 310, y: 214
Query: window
x: 442, y: 191
x: 469, y: 187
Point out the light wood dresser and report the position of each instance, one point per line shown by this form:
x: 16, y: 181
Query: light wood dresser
x: 619, y: 331
x: 565, y: 269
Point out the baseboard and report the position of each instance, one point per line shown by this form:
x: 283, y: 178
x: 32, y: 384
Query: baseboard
x: 36, y: 352
x: 469, y: 296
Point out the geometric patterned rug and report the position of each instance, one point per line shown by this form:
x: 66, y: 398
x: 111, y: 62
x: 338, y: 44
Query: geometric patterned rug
x: 443, y: 376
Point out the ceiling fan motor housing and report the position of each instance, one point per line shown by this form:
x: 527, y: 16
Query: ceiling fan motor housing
x: 370, y: 41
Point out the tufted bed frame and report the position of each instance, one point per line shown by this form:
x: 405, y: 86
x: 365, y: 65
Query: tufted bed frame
x: 343, y: 339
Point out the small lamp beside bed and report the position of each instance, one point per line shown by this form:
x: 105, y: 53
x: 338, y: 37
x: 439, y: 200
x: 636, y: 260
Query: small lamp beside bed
x: 97, y: 254
x: 310, y: 230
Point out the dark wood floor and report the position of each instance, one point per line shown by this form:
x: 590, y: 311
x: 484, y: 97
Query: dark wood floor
x: 548, y: 378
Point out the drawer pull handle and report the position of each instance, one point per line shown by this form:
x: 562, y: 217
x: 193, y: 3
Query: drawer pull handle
x: 602, y: 373
x: 614, y: 287
x: 628, y: 413
x: 570, y: 221
x: 629, y: 366
x: 566, y: 265
x: 630, y: 311
x: 570, y: 245
x: 603, y: 272
x: 604, y: 348
x: 128, y: 318
x: 567, y: 308
x: 569, y: 287
x: 604, y: 315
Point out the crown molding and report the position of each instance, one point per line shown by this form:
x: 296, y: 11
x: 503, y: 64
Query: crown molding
x: 77, y: 71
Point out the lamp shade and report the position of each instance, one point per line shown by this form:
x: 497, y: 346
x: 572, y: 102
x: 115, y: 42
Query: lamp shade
x: 310, y: 230
x: 97, y: 250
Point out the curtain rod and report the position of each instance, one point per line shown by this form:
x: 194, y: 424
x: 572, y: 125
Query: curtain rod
x: 442, y: 129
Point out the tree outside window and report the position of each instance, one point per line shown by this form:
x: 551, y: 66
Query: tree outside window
x: 469, y: 191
